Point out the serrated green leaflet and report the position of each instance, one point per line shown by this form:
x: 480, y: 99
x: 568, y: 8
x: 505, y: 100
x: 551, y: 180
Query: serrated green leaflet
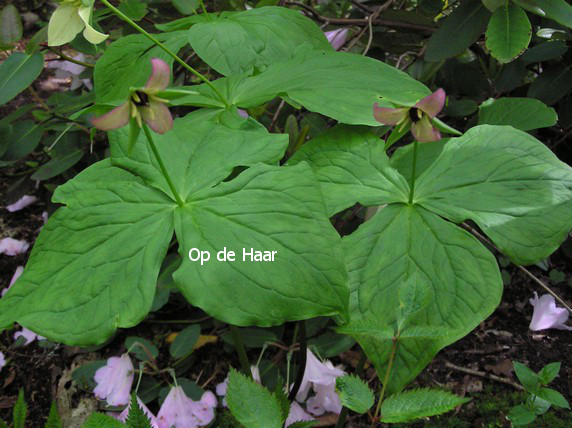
x: 354, y: 393
x: 418, y: 403
x: 253, y: 39
x: 118, y: 220
x: 508, y: 33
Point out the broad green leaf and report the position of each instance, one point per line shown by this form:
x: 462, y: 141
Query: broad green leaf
x: 185, y: 341
x: 548, y: 50
x: 520, y: 415
x: 253, y: 39
x: 134, y: 9
x: 526, y: 376
x: 126, y: 63
x: 553, y: 397
x: 10, y: 25
x: 354, y: 393
x: 459, y: 31
x: 25, y: 137
x: 352, y: 166
x: 508, y: 33
x: 266, y: 209
x: 329, y: 344
x: 95, y: 264
x: 101, y: 420
x: 402, y: 159
x: 17, y: 72
x: 552, y: 84
x: 186, y: 7
x: 54, y: 420
x: 252, y: 404
x: 20, y: 411
x: 549, y: 373
x: 520, y: 113
x: 557, y: 10
x: 509, y: 183
x: 418, y: 403
x: 400, y: 243
x: 56, y: 166
x: 343, y: 86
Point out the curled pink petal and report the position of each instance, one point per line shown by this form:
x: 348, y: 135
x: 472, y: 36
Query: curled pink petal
x: 16, y: 275
x: 13, y: 247
x: 21, y: 203
x: 116, y: 118
x: 337, y: 38
x: 160, y: 75
x: 424, y: 132
x: 389, y: 116
x: 547, y: 315
x: 297, y: 414
x: 432, y: 104
x: 317, y: 373
x: 114, y: 381
x: 180, y: 411
x: 157, y: 116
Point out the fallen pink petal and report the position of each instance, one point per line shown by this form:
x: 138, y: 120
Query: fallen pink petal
x: 2, y: 361
x: 13, y: 247
x: 180, y: 411
x: 19, y: 270
x: 547, y: 315
x: 297, y: 414
x: 21, y: 203
x: 29, y: 335
x: 337, y: 38
x: 114, y: 381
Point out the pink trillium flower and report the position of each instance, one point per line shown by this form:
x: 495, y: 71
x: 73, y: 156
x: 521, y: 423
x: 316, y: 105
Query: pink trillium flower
x: 114, y: 381
x: 337, y: 38
x: 180, y: 411
x: 21, y: 203
x: 125, y: 413
x: 2, y: 361
x: 143, y: 105
x: 13, y: 247
x: 16, y: 275
x: 29, y: 335
x: 547, y: 315
x: 417, y: 117
x: 297, y: 414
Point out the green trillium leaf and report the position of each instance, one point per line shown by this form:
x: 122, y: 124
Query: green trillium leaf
x: 508, y: 33
x: 509, y: 183
x: 520, y: 113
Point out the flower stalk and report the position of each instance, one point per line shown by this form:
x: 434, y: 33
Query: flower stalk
x: 385, y: 381
x: 413, y: 171
x: 302, y: 358
x: 237, y: 339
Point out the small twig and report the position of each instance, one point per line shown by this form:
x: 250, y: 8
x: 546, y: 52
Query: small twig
x: 69, y: 58
x: 276, y: 114
x: 484, y: 375
x: 521, y: 268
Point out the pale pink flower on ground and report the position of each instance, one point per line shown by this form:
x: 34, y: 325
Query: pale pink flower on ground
x: 123, y: 415
x: 204, y: 409
x: 317, y: 373
x: 547, y: 315
x: 2, y: 361
x: 325, y: 400
x: 180, y: 411
x: 13, y: 247
x: 29, y: 335
x: 418, y: 117
x: 143, y: 105
x: 16, y: 275
x: 114, y: 381
x: 337, y: 38
x: 221, y: 387
x: 21, y: 203
x: 297, y: 414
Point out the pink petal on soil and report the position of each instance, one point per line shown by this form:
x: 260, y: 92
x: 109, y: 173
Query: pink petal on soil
x: 547, y: 315
x: 114, y: 381
x: 21, y: 203
x: 16, y: 275
x: 13, y: 247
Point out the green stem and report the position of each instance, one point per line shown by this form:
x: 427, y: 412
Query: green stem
x: 385, y: 380
x: 359, y: 370
x: 237, y: 339
x: 162, y: 165
x: 302, y: 357
x: 204, y: 9
x: 414, y: 166
x: 70, y: 59
x: 167, y: 50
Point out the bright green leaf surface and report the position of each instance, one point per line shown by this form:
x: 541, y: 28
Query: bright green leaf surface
x: 508, y: 33
x: 509, y: 183
x: 402, y: 242
x: 17, y: 72
x: 418, y: 403
x: 557, y: 10
x: 402, y: 159
x: 253, y: 39
x: 352, y: 166
x: 520, y: 113
x: 354, y: 393
x: 252, y: 404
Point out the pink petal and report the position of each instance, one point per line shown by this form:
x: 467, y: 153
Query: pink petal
x: 432, y: 104
x: 317, y: 373
x: 114, y: 381
x: 2, y: 361
x: 337, y: 38
x: 160, y: 75
x: 157, y: 116
x: 424, y: 132
x: 116, y: 118
x: 29, y: 335
x: 21, y: 203
x: 547, y: 315
x: 16, y: 275
x: 13, y: 247
x: 297, y: 414
x: 389, y: 116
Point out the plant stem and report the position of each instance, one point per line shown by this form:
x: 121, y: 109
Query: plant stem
x: 359, y: 370
x: 302, y: 357
x: 237, y: 339
x: 162, y: 165
x: 70, y: 59
x: 414, y: 167
x: 167, y: 50
x: 204, y: 9
x: 385, y: 380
